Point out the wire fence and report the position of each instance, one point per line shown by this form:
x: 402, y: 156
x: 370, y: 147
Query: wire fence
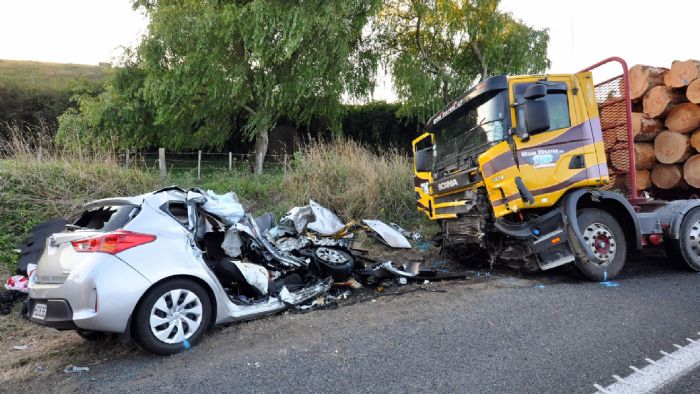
x: 199, y: 161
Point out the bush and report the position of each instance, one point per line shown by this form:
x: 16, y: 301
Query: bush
x: 356, y: 181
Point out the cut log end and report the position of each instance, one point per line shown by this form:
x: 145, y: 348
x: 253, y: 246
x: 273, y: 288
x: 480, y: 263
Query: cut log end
x: 660, y: 100
x: 667, y: 176
x: 683, y: 118
x: 643, y: 180
x: 693, y: 92
x: 682, y: 73
x: 671, y: 147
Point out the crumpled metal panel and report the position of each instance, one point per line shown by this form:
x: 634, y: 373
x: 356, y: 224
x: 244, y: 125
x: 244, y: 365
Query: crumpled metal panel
x: 388, y: 234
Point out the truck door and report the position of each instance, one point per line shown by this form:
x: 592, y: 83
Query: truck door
x: 423, y: 148
x: 553, y: 161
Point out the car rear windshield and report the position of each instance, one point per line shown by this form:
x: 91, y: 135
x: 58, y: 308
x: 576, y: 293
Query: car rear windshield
x: 107, y: 218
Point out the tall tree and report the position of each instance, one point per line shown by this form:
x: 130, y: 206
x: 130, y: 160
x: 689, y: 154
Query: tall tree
x: 437, y: 48
x: 206, y: 60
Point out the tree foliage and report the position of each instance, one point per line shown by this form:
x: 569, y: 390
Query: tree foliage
x: 202, y: 63
x: 438, y: 48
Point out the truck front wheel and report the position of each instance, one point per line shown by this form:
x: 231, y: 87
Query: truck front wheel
x: 604, y: 238
x: 687, y: 248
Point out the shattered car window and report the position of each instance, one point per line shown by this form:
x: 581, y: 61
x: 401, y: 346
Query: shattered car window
x: 106, y: 218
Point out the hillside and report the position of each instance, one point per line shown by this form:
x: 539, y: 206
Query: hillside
x: 30, y: 90
x: 40, y: 76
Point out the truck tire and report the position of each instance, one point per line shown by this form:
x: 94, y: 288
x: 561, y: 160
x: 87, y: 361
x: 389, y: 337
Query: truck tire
x: 687, y: 248
x: 604, y: 236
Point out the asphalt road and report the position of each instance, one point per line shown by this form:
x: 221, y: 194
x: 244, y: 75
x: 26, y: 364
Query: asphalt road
x: 503, y: 333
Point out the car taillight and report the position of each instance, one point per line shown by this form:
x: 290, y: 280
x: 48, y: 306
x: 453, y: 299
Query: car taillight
x: 113, y: 242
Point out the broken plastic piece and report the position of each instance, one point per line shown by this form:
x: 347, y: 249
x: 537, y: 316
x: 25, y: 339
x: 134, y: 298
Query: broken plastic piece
x: 17, y: 282
x: 20, y: 347
x: 75, y: 369
x: 387, y: 234
x: 388, y: 266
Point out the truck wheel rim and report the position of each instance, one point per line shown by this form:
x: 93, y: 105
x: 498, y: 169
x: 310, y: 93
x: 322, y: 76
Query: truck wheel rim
x: 601, y: 242
x: 694, y: 238
x: 176, y: 316
x: 331, y: 256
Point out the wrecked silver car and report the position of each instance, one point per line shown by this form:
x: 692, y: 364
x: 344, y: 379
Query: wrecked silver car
x: 162, y: 267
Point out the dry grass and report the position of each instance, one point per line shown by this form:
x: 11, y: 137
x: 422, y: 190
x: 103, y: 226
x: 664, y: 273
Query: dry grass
x: 357, y: 182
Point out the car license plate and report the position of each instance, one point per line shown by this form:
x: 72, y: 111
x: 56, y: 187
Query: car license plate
x: 39, y: 311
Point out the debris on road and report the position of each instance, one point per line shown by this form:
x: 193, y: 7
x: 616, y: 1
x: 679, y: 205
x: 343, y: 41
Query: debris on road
x: 75, y: 369
x: 20, y: 347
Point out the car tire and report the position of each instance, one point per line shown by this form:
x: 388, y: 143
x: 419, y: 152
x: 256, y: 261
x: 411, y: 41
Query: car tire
x: 334, y: 262
x: 604, y: 235
x: 172, y: 317
x: 687, y: 248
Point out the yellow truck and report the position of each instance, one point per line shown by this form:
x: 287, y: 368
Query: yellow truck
x: 516, y: 170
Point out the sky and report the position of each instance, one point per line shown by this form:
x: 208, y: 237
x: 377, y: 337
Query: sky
x: 581, y: 32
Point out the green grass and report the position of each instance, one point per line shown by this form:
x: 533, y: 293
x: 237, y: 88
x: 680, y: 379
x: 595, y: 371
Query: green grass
x: 32, y: 76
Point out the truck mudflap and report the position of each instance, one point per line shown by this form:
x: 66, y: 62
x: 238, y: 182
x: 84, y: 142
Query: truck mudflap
x: 611, y: 201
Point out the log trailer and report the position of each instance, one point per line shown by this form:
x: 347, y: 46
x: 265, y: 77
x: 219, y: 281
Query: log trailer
x: 516, y: 169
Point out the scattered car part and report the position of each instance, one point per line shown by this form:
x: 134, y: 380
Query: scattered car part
x: 389, y: 267
x: 387, y: 234
x: 34, y: 245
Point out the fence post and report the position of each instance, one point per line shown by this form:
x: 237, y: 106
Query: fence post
x: 199, y: 164
x: 127, y: 158
x: 161, y: 162
x: 39, y: 154
x: 230, y: 161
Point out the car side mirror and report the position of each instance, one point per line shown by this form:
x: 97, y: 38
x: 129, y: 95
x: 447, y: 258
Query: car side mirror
x: 423, y: 159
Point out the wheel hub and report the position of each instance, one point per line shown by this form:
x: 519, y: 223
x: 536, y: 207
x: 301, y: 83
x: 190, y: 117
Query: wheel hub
x: 331, y: 256
x: 176, y: 316
x: 601, y: 242
x: 694, y: 238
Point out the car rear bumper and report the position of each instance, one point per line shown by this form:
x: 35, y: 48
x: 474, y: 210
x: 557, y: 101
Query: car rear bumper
x: 97, y: 295
x: 59, y: 314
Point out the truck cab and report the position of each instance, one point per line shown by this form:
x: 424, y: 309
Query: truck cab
x: 509, y: 167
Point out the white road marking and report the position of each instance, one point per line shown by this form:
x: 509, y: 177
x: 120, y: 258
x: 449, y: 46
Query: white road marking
x: 659, y: 373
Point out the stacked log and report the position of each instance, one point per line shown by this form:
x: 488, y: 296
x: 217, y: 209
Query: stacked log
x: 665, y: 127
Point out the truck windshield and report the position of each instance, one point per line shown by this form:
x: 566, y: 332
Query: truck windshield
x: 479, y: 122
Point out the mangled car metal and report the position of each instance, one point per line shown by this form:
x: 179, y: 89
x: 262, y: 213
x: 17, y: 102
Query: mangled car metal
x: 162, y: 267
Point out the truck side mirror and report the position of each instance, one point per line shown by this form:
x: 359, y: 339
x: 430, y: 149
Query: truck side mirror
x: 422, y: 159
x: 536, y: 110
